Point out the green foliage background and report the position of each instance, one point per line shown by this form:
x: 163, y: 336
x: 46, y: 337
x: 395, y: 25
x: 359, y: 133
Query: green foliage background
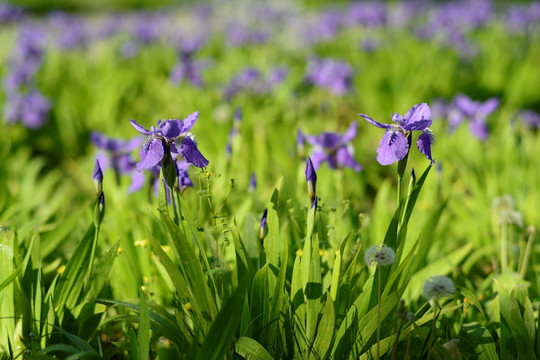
x: 197, y: 282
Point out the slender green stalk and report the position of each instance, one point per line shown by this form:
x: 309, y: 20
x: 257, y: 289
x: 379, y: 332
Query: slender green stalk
x: 504, y: 247
x: 532, y: 232
x: 378, y: 313
x: 398, y: 334
x: 432, y: 331
x: 92, y: 255
x: 409, y: 336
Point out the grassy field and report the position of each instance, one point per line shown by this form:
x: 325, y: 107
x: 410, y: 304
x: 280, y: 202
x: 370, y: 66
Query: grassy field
x: 293, y: 230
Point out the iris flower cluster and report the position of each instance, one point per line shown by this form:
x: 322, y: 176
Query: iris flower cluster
x: 25, y: 102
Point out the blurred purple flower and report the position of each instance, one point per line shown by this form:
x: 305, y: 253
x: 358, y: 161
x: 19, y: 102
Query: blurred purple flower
x: 238, y: 35
x: 30, y: 108
x: 30, y: 44
x: 146, y: 29
x: 21, y: 75
x: 253, y: 181
x: 119, y: 151
x: 395, y: 143
x: 368, y: 14
x: 475, y: 111
x: 330, y: 74
x: 129, y: 49
x: 252, y: 81
x: 530, y: 118
x: 70, y: 30
x: 248, y: 78
x: 182, y: 176
x: 334, y: 148
x: 300, y: 143
x: 9, y: 12
x: 189, y: 70
x: 237, y: 121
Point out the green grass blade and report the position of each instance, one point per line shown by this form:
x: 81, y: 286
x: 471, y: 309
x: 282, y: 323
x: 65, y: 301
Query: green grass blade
x: 325, y: 331
x: 7, y: 296
x: 192, y: 269
x: 72, y: 280
x: 251, y: 349
x: 220, y: 339
x: 481, y: 341
x: 143, y: 333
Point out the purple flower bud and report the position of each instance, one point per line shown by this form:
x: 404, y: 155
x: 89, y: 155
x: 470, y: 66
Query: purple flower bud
x: 300, y: 143
x: 264, y: 228
x: 99, y: 210
x: 253, y: 181
x: 311, y: 178
x: 98, y: 178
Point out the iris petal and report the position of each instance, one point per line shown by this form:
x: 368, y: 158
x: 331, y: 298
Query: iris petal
x: 417, y: 118
x: 151, y: 154
x: 317, y: 158
x: 350, y: 134
x: 394, y: 146
x: 373, y: 122
x: 345, y: 159
x: 424, y: 144
x: 139, y: 128
x: 189, y: 151
x: 171, y: 128
x: 189, y: 121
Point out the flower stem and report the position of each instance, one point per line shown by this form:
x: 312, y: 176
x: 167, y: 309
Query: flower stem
x: 378, y: 312
x: 504, y: 247
x: 432, y: 331
x: 527, y: 254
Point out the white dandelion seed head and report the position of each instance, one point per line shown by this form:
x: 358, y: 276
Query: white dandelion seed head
x: 438, y: 286
x: 380, y: 255
x: 453, y: 347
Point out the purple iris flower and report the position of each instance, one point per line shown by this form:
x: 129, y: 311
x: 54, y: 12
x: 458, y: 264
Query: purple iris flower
x: 334, y: 148
x: 161, y: 140
x: 395, y: 143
